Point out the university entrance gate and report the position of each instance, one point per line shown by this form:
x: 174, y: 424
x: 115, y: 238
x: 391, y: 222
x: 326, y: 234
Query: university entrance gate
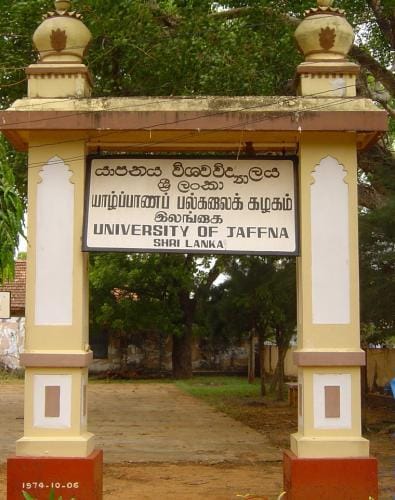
x: 59, y: 124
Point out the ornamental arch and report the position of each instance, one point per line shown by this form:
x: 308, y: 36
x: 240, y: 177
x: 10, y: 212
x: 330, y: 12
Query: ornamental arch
x: 59, y: 124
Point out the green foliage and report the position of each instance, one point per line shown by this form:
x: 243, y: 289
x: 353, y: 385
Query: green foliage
x: 174, y: 48
x: 52, y: 496
x: 13, y: 377
x: 377, y: 255
x: 180, y: 46
x: 141, y: 292
x: 11, y: 215
x: 258, y: 295
x: 134, y: 293
x: 18, y: 22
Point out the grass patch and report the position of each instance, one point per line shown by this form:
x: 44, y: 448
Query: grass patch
x: 221, y: 392
x: 15, y: 377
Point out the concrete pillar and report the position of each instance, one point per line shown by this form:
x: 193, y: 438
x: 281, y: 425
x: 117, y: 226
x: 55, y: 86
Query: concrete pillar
x: 329, y: 458
x: 57, y: 352
x: 328, y: 354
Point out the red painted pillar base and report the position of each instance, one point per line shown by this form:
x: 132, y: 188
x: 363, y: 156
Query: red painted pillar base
x: 71, y: 478
x: 329, y: 478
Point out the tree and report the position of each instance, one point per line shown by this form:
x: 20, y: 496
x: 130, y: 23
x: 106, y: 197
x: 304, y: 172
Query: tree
x: 248, y: 304
x: 284, y: 318
x: 259, y: 296
x: 152, y: 292
x: 377, y: 256
x: 374, y: 23
x: 130, y: 296
x: 192, y: 286
x: 11, y: 216
x: 17, y: 51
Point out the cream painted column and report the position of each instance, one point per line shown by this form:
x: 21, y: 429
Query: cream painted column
x: 328, y: 355
x: 56, y: 351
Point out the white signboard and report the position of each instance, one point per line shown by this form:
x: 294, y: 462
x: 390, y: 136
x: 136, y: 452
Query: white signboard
x: 5, y: 305
x: 191, y: 205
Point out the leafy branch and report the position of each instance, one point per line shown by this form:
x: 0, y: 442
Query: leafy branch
x: 27, y: 496
x: 11, y: 217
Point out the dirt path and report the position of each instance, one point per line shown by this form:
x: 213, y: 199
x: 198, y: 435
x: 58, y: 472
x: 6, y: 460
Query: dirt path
x: 150, y: 423
x: 160, y: 444
x: 159, y: 423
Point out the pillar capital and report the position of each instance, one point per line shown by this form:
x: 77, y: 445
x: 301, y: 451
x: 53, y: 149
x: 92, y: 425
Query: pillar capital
x: 61, y: 40
x: 325, y: 38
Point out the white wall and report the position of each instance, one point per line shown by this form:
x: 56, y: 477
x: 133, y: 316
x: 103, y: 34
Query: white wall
x: 12, y: 338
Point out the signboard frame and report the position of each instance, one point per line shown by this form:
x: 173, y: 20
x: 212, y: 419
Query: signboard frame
x: 209, y: 157
x: 5, y: 311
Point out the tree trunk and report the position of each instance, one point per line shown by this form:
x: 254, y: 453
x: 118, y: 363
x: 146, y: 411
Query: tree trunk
x: 261, y: 348
x: 161, y: 347
x: 123, y: 354
x: 251, y: 358
x: 282, y: 352
x: 182, y: 344
x: 116, y: 351
x: 182, y: 354
x: 278, y: 377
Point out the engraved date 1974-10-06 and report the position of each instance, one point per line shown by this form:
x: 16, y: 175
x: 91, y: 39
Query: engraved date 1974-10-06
x: 51, y: 486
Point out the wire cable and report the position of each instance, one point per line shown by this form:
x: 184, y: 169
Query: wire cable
x: 158, y: 100
x: 200, y: 133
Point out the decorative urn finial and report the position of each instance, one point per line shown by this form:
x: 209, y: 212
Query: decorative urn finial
x: 324, y: 34
x: 62, y: 37
x: 62, y: 4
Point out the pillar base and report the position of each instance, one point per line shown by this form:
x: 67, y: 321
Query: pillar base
x: 69, y: 477
x: 60, y: 446
x: 329, y: 446
x: 329, y: 478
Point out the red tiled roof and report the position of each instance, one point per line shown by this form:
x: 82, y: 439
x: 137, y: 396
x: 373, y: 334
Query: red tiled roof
x: 17, y: 287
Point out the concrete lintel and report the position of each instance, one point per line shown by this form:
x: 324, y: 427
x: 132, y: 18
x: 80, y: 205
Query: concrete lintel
x: 258, y: 120
x: 197, y: 119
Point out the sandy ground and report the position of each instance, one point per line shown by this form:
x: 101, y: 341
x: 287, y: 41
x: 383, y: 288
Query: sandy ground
x: 159, y: 423
x: 161, y: 444
x: 150, y: 423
